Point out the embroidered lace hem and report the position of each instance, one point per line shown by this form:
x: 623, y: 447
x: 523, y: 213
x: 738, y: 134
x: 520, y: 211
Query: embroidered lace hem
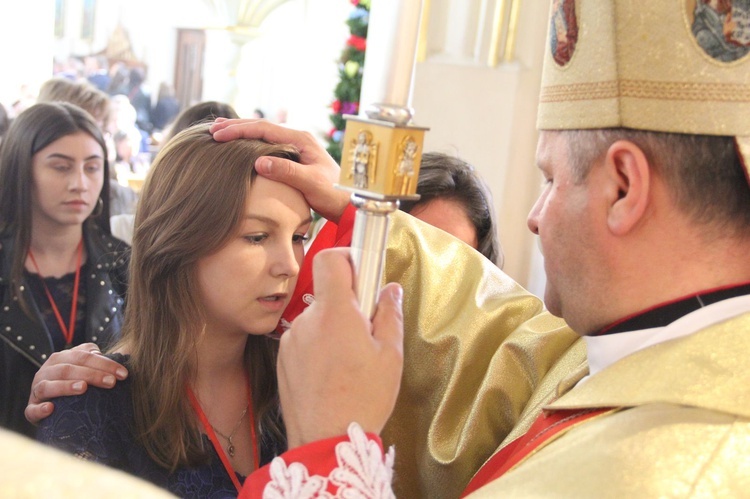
x: 362, y: 471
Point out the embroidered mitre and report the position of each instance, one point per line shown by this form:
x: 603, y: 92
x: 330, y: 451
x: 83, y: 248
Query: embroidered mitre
x: 680, y: 66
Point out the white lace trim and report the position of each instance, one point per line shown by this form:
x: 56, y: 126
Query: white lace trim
x: 362, y: 472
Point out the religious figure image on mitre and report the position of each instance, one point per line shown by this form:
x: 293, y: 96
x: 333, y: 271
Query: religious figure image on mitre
x: 364, y: 155
x: 563, y: 30
x: 722, y: 28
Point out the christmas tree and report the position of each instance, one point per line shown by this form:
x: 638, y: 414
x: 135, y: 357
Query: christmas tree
x: 347, y: 90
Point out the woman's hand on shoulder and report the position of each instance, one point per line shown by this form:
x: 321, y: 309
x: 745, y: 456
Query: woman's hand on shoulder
x: 70, y: 372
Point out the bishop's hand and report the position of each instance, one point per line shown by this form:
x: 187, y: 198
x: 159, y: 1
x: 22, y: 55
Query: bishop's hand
x: 335, y: 366
x: 315, y: 174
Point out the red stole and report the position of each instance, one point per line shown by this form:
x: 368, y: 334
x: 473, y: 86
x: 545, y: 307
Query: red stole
x: 548, y: 425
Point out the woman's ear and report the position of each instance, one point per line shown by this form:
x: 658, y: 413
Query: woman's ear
x: 629, y: 172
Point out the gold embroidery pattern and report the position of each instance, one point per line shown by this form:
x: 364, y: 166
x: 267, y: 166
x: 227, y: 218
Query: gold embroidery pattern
x: 718, y: 92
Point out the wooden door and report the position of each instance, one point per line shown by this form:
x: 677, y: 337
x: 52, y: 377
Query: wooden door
x: 188, y: 78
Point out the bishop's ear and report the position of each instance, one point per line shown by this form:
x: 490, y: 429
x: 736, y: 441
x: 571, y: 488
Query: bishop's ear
x: 629, y: 174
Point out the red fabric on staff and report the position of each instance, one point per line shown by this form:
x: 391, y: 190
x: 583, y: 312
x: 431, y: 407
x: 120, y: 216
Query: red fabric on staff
x: 330, y: 236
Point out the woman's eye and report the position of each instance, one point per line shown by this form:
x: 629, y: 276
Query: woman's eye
x: 256, y: 238
x: 93, y: 168
x: 60, y: 168
x: 300, y: 238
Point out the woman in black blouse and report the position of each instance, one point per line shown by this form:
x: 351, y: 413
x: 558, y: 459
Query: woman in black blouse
x: 62, y: 274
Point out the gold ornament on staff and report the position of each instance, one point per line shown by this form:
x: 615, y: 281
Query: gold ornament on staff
x: 382, y: 148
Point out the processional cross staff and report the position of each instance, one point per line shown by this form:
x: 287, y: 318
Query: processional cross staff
x: 382, y: 148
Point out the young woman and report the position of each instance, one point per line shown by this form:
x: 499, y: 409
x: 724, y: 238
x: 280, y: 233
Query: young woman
x: 122, y: 199
x: 62, y: 275
x: 216, y: 253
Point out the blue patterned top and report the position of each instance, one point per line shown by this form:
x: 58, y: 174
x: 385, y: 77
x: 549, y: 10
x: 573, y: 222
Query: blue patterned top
x: 98, y: 426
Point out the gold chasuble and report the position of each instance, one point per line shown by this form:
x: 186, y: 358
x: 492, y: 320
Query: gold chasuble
x: 478, y: 348
x: 681, y: 396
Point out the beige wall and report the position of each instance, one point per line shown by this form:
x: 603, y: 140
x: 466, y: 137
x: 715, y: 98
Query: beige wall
x: 486, y: 114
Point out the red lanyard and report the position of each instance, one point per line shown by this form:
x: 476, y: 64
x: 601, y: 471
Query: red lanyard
x: 67, y: 332
x: 215, y: 441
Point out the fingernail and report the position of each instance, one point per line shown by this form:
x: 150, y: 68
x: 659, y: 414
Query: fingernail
x: 78, y: 386
x: 264, y: 166
x: 398, y: 295
x: 121, y: 373
x: 108, y: 380
x: 47, y: 408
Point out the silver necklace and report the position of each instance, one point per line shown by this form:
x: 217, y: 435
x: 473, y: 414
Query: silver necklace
x: 230, y: 447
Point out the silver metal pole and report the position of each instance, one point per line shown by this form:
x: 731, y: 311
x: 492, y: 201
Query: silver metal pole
x: 381, y: 152
x: 368, y: 248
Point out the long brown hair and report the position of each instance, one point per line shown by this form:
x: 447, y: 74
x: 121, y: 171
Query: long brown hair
x: 33, y: 130
x: 191, y: 205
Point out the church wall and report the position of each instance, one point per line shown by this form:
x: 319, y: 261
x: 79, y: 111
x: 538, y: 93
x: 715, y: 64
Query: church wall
x: 26, y: 42
x: 486, y: 113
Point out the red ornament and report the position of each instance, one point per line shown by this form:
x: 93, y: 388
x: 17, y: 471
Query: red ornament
x: 331, y: 132
x: 355, y: 2
x: 336, y: 106
x: 357, y: 42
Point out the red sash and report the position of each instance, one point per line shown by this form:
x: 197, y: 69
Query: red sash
x: 546, y: 426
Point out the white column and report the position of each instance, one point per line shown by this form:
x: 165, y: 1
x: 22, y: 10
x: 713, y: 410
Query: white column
x: 391, y: 52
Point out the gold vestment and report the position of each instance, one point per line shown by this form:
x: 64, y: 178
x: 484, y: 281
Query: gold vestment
x: 682, y: 428
x: 477, y: 347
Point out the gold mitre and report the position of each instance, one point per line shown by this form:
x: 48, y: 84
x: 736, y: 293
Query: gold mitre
x: 679, y: 66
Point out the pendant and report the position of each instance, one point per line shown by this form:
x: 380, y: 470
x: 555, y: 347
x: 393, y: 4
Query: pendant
x: 230, y: 449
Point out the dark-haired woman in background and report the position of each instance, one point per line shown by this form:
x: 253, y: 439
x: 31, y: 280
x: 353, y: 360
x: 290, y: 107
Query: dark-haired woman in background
x: 62, y: 274
x: 199, y: 113
x: 456, y: 199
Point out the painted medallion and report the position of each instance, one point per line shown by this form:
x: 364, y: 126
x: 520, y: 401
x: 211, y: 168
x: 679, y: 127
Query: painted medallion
x: 721, y: 27
x: 563, y: 30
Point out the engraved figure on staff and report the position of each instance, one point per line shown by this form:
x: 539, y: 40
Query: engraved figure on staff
x: 363, y: 155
